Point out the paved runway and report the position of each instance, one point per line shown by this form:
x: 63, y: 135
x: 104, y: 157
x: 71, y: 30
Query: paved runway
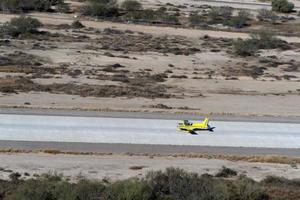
x: 145, y: 131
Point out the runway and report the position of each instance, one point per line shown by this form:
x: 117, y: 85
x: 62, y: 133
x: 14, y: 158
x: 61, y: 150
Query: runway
x: 71, y: 129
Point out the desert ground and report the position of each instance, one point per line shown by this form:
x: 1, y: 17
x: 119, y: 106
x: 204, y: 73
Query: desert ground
x: 139, y: 67
x: 76, y: 167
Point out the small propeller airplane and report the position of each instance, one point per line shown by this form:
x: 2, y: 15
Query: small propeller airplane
x: 192, y: 127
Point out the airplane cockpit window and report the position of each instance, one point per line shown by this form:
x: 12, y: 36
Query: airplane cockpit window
x: 187, y: 123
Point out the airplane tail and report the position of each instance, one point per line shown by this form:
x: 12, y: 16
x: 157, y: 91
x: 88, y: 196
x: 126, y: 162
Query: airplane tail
x: 205, y: 122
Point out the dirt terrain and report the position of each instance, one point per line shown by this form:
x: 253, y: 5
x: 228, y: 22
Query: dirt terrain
x: 137, y: 67
x: 109, y: 168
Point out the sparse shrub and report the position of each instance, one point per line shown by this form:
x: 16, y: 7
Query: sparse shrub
x: 146, y: 15
x: 131, y: 5
x: 28, y: 5
x: 120, y: 77
x: 49, y: 187
x: 158, y: 77
x: 245, y: 47
x: 223, y: 12
x: 175, y: 183
x: 137, y: 167
x: 63, y: 7
x: 97, y: 1
x: 87, y: 190
x: 267, y: 15
x: 42, y: 5
x: 178, y: 76
x: 77, y: 24
x: 247, y: 189
x: 149, y: 15
x: 131, y: 189
x: 293, y: 164
x: 102, y: 10
x: 21, y: 25
x: 172, y: 19
x: 281, y: 181
x: 238, y: 21
x: 196, y: 20
x: 75, y: 73
x: 14, y: 176
x: 226, y: 172
x: 282, y: 6
x: 266, y: 40
x: 161, y: 106
x: 263, y: 40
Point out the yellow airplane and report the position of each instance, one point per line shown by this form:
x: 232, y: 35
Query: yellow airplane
x: 191, y: 127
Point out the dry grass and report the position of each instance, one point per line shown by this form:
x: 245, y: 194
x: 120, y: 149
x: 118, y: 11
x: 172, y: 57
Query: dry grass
x: 137, y: 167
x: 234, y: 158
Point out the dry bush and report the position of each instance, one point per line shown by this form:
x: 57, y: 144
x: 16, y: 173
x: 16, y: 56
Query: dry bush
x: 282, y: 6
x: 226, y: 172
x: 262, y: 40
x: 161, y: 106
x: 77, y: 24
x: 178, y: 76
x: 20, y: 26
x: 137, y: 167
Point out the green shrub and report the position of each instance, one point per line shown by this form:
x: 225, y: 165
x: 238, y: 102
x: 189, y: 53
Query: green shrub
x: 14, y: 176
x: 131, y: 189
x: 27, y: 5
x: 223, y: 12
x: 42, y: 5
x: 100, y: 1
x: 77, y: 24
x: 63, y: 8
x: 282, y: 6
x: 53, y: 188
x: 21, y: 25
x: 173, y: 183
x: 196, y: 20
x: 149, y: 15
x: 102, y: 10
x: 226, y: 172
x: 245, y: 47
x: 131, y: 5
x: 267, y: 15
x: 146, y: 15
x: 247, y: 189
x: 263, y: 40
x: 178, y: 184
x: 170, y: 19
x: 238, y: 21
x: 88, y: 190
x: 281, y: 181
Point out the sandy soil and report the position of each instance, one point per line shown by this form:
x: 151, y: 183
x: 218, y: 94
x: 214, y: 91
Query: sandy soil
x: 212, y: 104
x: 212, y: 83
x: 56, y: 19
x: 118, y: 167
x: 240, y: 4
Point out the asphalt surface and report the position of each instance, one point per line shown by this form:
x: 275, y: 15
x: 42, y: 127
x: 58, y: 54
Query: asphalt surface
x: 66, y: 129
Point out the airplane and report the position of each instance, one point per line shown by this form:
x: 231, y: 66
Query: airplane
x: 192, y: 127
